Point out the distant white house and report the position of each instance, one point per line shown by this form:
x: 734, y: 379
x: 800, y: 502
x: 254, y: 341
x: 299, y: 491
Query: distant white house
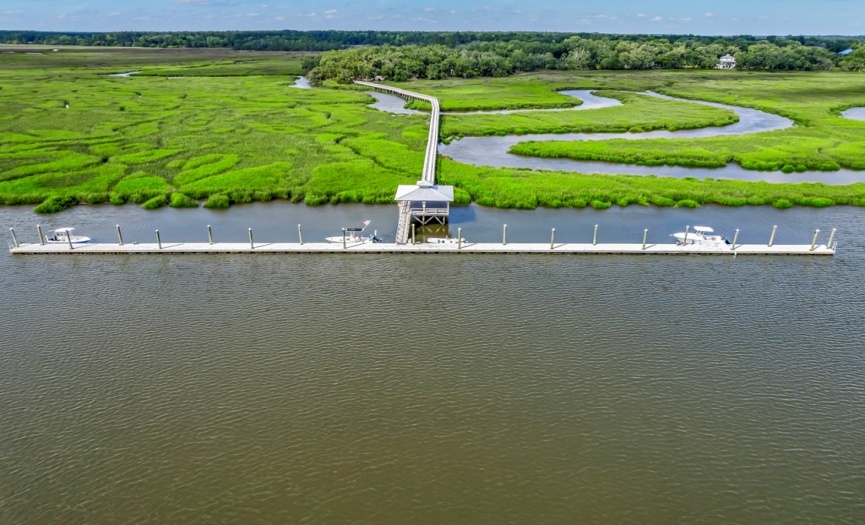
x: 727, y: 61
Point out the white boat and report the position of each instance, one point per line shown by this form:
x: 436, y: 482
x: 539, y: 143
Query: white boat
x: 64, y: 235
x: 445, y: 240
x: 701, y: 236
x: 355, y: 236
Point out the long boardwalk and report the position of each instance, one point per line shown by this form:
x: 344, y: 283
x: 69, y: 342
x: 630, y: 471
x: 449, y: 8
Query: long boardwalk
x: 429, y: 163
x: 463, y: 248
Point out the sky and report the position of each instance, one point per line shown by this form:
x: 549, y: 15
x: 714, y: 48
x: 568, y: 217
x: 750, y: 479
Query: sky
x: 722, y: 17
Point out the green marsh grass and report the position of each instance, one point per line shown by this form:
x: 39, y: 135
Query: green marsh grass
x: 156, y: 202
x: 637, y: 113
x: 180, y: 200
x: 220, y: 135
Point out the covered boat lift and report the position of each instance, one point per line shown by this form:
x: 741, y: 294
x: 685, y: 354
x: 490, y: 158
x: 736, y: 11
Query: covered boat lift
x: 425, y: 201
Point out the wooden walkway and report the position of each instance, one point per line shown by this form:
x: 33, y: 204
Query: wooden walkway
x: 466, y: 248
x: 429, y: 164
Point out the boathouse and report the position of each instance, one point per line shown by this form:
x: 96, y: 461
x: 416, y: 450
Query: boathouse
x: 426, y: 201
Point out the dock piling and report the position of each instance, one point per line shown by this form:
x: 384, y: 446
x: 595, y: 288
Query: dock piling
x: 69, y: 238
x: 343, y: 238
x: 772, y: 237
x: 119, y: 235
x: 251, y: 242
x: 412, y: 233
x: 831, y: 238
x: 459, y: 238
x: 505, y: 235
x: 735, y: 238
x: 14, y: 238
x: 209, y: 235
x: 41, y: 237
x: 553, y: 239
x: 645, y: 234
x: 300, y: 234
x: 595, y: 236
x: 685, y: 240
x: 814, y: 240
x: 158, y: 240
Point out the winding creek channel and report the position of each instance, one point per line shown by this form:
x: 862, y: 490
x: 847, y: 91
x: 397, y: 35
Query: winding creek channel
x: 493, y: 150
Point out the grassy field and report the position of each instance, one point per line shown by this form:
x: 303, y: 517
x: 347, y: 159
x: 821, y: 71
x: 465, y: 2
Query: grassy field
x: 226, y: 127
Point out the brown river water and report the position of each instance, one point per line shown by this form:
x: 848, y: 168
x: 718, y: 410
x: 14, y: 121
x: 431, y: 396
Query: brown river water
x: 433, y: 389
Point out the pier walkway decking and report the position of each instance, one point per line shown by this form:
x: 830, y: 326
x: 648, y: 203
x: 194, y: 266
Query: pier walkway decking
x: 391, y: 248
x: 429, y: 164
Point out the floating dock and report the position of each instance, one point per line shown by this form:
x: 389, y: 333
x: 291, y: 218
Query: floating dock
x: 467, y: 248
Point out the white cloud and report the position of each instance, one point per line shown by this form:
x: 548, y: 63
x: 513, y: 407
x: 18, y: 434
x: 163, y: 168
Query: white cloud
x: 657, y: 18
x: 710, y: 15
x: 11, y: 12
x: 429, y: 9
x: 642, y: 15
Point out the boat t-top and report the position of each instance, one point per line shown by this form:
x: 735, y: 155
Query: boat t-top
x: 356, y: 236
x: 64, y: 235
x: 702, y: 236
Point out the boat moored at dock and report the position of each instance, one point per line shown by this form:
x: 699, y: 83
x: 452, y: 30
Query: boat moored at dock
x: 445, y: 240
x: 701, y: 236
x: 355, y: 236
x: 64, y: 236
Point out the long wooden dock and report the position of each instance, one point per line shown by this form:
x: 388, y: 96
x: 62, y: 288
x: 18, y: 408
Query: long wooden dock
x: 390, y: 248
x: 431, y: 156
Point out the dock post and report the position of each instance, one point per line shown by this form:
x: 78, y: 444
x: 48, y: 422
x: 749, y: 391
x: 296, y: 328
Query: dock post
x: 14, y: 239
x: 412, y: 233
x: 69, y: 238
x: 645, y: 234
x: 735, y: 238
x: 595, y: 236
x: 41, y: 237
x: 300, y: 234
x: 459, y: 238
x: 685, y: 240
x: 814, y: 240
x: 119, y: 235
x: 158, y: 240
x: 772, y: 237
x: 505, y: 235
x: 553, y: 239
x: 343, y: 238
x: 251, y: 243
x: 831, y: 238
x: 209, y: 235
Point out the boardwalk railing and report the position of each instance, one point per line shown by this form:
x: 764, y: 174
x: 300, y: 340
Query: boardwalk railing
x: 429, y: 165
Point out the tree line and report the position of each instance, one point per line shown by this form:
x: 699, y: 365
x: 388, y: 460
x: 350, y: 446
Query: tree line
x: 403, y: 55
x: 611, y: 52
